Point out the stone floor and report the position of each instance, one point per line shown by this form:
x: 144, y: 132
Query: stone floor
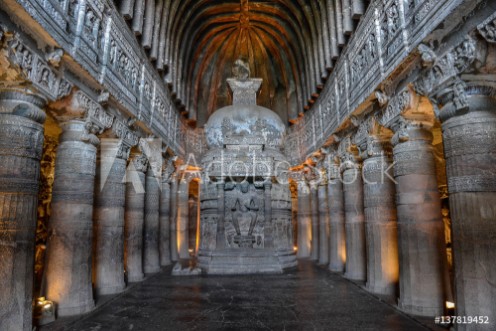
x: 309, y: 298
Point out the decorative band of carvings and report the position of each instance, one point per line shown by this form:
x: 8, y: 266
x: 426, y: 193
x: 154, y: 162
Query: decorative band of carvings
x: 18, y: 186
x: 378, y: 200
x: 20, y: 137
x: 80, y: 196
x: 476, y: 183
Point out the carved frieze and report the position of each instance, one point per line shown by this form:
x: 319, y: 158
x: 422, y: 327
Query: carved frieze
x: 37, y: 70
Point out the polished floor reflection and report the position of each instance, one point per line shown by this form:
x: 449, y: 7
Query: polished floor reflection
x: 309, y: 298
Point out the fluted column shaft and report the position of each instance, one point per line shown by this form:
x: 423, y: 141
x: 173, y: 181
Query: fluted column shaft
x: 151, y: 257
x: 380, y: 225
x: 314, y: 205
x: 173, y: 219
x: 470, y: 151
x: 356, y: 267
x: 269, y: 227
x: 134, y: 217
x: 304, y: 221
x: 21, y: 144
x: 323, y: 224
x: 420, y: 225
x: 110, y: 195
x: 164, y: 243
x: 183, y: 218
x: 69, y: 254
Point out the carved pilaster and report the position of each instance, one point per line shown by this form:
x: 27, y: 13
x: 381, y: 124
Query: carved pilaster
x: 134, y: 217
x: 21, y: 143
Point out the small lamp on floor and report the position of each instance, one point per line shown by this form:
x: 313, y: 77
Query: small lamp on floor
x: 44, y: 311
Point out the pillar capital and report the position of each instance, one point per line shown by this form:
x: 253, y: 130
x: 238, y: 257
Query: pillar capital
x: 413, y: 130
x: 139, y: 161
x: 22, y: 102
x: 348, y: 153
x: 128, y: 138
x: 373, y: 139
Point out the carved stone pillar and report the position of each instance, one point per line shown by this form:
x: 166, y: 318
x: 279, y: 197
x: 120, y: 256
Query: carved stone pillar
x: 337, y: 234
x: 110, y: 195
x: 380, y: 217
x: 183, y: 217
x: 164, y: 219
x: 268, y: 228
x: 323, y: 223
x: 151, y: 230
x: 314, y: 207
x: 221, y: 235
x: 304, y: 220
x: 21, y: 144
x: 69, y: 255
x: 173, y: 217
x: 420, y: 225
x: 470, y: 150
x: 135, y: 217
x: 356, y: 267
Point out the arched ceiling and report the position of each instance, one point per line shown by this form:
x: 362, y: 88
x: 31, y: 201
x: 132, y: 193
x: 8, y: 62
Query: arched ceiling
x: 274, y: 37
x: 288, y: 43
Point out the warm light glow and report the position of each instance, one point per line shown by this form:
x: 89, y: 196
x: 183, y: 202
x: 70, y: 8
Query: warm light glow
x: 295, y: 248
x: 450, y: 305
x: 190, y: 250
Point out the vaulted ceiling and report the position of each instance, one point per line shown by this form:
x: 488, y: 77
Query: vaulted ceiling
x: 291, y: 44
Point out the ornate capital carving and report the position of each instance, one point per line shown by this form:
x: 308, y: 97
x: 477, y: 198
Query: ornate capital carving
x: 23, y: 104
x: 398, y: 105
x: 442, y: 82
x: 348, y: 153
x: 168, y: 170
x: 487, y: 29
x: 140, y: 162
x: 408, y: 130
x: 127, y: 138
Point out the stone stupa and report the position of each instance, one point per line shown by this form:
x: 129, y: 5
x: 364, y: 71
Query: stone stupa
x: 245, y: 212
